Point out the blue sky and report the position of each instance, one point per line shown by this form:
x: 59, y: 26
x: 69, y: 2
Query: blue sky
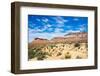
x: 46, y: 26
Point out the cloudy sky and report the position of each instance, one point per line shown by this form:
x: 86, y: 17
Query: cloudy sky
x: 44, y: 26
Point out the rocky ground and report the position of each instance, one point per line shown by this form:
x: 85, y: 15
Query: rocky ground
x: 59, y: 51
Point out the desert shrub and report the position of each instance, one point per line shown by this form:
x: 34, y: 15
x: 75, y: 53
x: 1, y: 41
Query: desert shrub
x: 67, y: 52
x: 49, y: 54
x: 78, y: 57
x: 31, y: 53
x: 63, y: 45
x: 41, y: 55
x: 77, y: 45
x: 37, y: 53
x: 59, y: 53
x: 56, y: 46
x: 52, y: 46
x: 67, y: 55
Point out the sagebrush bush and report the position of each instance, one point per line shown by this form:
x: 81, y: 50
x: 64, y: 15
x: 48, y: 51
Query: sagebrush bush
x: 77, y: 45
x: 67, y: 55
x: 36, y: 53
x: 78, y: 57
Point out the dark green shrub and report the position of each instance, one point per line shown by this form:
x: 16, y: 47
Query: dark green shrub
x: 77, y: 45
x: 31, y: 53
x: 67, y: 56
x: 52, y: 46
x: 36, y: 53
x: 41, y: 55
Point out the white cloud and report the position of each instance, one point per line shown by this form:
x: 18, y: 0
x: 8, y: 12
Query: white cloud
x: 75, y: 19
x: 35, y: 30
x: 69, y: 26
x: 31, y: 24
x: 45, y: 20
x: 82, y: 27
x: 38, y: 19
x: 60, y: 20
x: 50, y: 29
x: 60, y: 25
x: 48, y: 25
x: 58, y: 30
x: 66, y: 20
x: 72, y: 31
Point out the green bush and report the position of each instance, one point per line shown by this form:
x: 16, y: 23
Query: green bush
x: 31, y: 53
x: 36, y: 53
x: 77, y: 45
x: 67, y: 55
x: 52, y: 46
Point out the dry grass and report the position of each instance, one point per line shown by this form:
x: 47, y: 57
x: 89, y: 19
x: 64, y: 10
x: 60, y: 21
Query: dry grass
x: 59, y: 51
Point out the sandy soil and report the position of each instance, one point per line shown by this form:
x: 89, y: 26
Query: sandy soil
x: 64, y: 51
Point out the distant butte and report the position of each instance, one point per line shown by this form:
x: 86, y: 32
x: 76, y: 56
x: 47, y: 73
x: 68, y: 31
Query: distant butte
x: 40, y: 39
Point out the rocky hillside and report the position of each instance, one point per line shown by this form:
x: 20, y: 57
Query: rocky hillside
x: 71, y: 46
x: 68, y: 38
x: 72, y: 37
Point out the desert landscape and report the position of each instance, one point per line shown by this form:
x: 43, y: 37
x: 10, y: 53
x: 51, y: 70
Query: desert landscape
x: 70, y: 46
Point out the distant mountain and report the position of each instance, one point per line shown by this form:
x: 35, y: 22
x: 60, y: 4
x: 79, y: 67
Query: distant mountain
x: 72, y: 37
x: 77, y: 34
x: 68, y: 38
x: 71, y: 33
